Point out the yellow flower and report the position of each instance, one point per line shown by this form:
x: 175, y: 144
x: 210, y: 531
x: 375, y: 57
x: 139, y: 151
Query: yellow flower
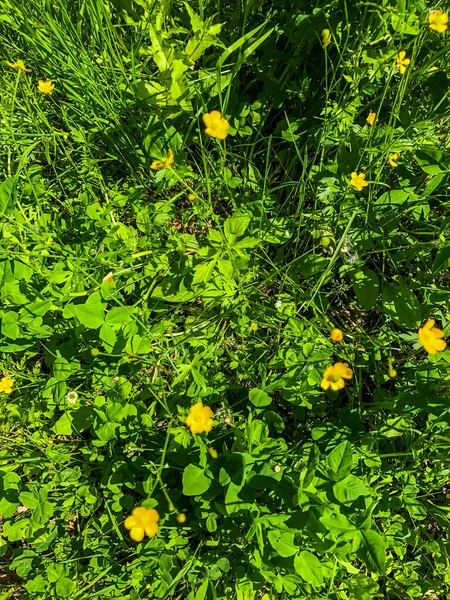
x: 438, y: 20
x: 401, y: 62
x: 392, y: 373
x: 371, y: 118
x: 199, y: 418
x: 163, y: 164
x: 326, y: 37
x: 181, y: 518
x: 216, y: 125
x: 108, y: 278
x: 46, y: 87
x: 142, y: 521
x: 393, y: 158
x: 336, y: 335
x: 334, y: 376
x: 6, y: 385
x: 358, y: 181
x: 19, y: 65
x: 431, y: 338
x: 212, y: 452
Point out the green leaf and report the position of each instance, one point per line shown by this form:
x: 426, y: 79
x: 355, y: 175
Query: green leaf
x: 372, y: 551
x: 204, y: 271
x: 336, y: 523
x: 236, y: 226
x: 282, y: 542
x: 259, y: 397
x: 91, y: 314
x: 195, y: 482
x: 366, y: 286
x: 118, y: 316
x: 64, y: 587
x: 7, y: 193
x: 309, y: 568
x: 61, y: 369
x: 442, y: 259
x: 232, y: 470
x: 433, y: 161
x: 10, y: 325
x: 63, y: 425
x: 401, y: 305
x: 349, y: 489
x: 340, y: 461
x: 312, y: 264
x: 23, y: 563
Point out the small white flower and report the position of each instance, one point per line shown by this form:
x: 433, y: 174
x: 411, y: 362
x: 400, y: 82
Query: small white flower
x: 72, y: 398
x: 278, y: 303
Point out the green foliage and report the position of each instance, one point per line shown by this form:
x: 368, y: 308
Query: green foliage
x: 129, y: 294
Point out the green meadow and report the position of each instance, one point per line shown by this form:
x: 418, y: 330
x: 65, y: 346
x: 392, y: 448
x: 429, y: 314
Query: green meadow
x: 224, y: 300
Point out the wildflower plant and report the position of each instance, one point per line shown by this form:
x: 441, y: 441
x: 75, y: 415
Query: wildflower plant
x: 224, y: 300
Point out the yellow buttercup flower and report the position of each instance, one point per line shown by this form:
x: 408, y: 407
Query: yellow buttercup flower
x: 401, y: 62
x: 181, y: 518
x: 392, y: 373
x: 163, y: 164
x: 216, y: 125
x: 335, y: 375
x: 438, y: 20
x: 393, y: 158
x: 199, y: 418
x: 371, y: 118
x: 336, y: 335
x: 6, y: 385
x: 326, y: 37
x: 142, y: 521
x: 46, y: 87
x: 19, y: 65
x: 358, y: 181
x: 431, y: 337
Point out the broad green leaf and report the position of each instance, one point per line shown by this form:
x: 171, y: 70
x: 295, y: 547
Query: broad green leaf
x: 64, y: 587
x: 204, y: 271
x: 433, y: 161
x: 61, y: 369
x: 312, y: 264
x: 402, y: 306
x: 309, y: 568
x: 236, y: 226
x: 195, y: 482
x: 63, y: 425
x: 349, y: 489
x: 372, y: 551
x: 232, y: 470
x: 366, y: 286
x: 259, y: 397
x: 23, y: 562
x: 340, y: 461
x: 91, y: 314
x: 118, y: 316
x: 282, y: 542
x: 10, y: 325
x: 336, y: 523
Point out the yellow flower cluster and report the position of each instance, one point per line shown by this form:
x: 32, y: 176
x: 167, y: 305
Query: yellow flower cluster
x: 200, y: 418
x: 44, y: 86
x: 6, y: 385
x: 142, y: 521
x: 216, y: 125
